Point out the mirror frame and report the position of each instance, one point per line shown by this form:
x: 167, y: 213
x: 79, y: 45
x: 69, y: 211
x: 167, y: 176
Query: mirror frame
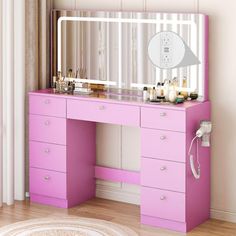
x: 144, y: 21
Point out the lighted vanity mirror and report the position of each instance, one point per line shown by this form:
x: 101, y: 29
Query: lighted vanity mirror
x: 119, y: 48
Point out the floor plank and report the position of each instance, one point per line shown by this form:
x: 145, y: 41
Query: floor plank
x: 122, y: 213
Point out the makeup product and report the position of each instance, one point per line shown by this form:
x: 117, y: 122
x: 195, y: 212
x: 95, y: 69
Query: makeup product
x: 166, y: 89
x: 153, y: 94
x: 59, y: 76
x: 172, y: 94
x: 70, y: 73
x: 54, y: 81
x: 184, y: 85
x: 159, y: 89
x: 145, y: 94
x: 179, y: 99
x: 193, y: 96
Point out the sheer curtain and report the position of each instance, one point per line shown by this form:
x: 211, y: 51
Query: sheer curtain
x: 12, y: 99
x: 24, y: 66
x: 37, y: 53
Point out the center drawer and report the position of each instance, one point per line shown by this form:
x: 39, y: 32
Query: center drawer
x: 48, y: 183
x: 163, y: 174
x: 103, y: 112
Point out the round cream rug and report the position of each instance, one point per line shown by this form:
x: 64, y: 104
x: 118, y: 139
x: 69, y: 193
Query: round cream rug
x: 70, y: 226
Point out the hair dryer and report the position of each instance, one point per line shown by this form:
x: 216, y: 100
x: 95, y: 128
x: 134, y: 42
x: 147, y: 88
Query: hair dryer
x: 204, y: 133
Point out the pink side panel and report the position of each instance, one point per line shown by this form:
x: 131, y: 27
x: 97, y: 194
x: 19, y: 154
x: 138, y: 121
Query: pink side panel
x: 162, y: 144
x: 163, y: 223
x: 47, y: 129
x: 198, y: 191
x: 62, y: 203
x: 163, y: 174
x: 81, y: 157
x: 43, y: 105
x: 117, y: 175
x: 103, y: 112
x: 47, y: 156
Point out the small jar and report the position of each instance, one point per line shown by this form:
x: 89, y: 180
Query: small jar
x: 145, y: 94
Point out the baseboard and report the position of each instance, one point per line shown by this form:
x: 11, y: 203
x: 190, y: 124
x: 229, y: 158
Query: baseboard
x: 223, y: 215
x: 117, y: 194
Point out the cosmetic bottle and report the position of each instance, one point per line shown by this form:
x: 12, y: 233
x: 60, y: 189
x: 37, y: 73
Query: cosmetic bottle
x: 153, y: 94
x: 166, y: 89
x: 145, y: 94
x: 54, y: 81
x: 70, y: 73
x: 172, y: 94
x: 184, y: 85
x: 159, y: 89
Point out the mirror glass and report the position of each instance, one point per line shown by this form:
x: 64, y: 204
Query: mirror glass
x: 122, y: 48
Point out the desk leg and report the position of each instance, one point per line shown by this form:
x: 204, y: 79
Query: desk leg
x: 81, y: 160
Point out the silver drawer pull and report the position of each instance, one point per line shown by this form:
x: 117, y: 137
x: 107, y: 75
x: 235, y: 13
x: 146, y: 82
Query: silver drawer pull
x: 47, y: 150
x: 47, y: 101
x: 163, y: 168
x: 102, y: 107
x: 46, y: 177
x: 163, y: 137
x: 163, y: 114
x: 162, y: 198
x: 47, y: 122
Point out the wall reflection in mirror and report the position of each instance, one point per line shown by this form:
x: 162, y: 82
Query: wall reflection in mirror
x: 117, y: 52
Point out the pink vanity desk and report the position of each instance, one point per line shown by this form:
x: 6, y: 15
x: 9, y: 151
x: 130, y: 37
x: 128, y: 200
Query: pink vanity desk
x: 63, y: 154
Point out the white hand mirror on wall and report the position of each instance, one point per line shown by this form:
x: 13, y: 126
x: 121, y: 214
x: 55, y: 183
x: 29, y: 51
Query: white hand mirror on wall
x: 167, y: 50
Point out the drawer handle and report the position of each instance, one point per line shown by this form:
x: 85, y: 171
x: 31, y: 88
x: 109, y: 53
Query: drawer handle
x: 163, y: 168
x: 46, y: 177
x: 47, y: 101
x: 102, y: 107
x: 47, y: 150
x: 163, y: 114
x: 163, y: 137
x: 47, y: 122
x: 162, y: 198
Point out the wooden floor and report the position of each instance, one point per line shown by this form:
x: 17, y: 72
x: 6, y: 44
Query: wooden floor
x: 125, y: 214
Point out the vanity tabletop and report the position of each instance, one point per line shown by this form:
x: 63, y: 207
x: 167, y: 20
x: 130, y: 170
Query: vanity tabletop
x: 118, y: 96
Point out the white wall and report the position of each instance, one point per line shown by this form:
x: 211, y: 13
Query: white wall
x: 222, y: 94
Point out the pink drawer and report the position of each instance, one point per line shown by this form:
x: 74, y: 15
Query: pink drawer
x: 47, y: 156
x: 103, y: 112
x: 47, y: 129
x: 163, y: 174
x: 48, y: 183
x: 48, y: 106
x: 163, y: 204
x: 157, y: 118
x: 162, y: 144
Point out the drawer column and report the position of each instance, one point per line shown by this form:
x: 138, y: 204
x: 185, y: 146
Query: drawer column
x: 163, y: 168
x: 62, y: 154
